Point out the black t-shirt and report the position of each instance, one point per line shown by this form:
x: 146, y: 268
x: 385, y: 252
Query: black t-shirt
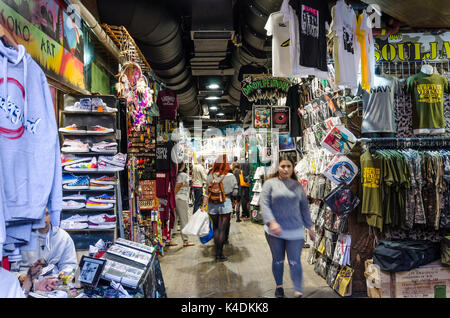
x: 293, y: 101
x: 163, y: 156
x: 244, y: 103
x: 312, y: 15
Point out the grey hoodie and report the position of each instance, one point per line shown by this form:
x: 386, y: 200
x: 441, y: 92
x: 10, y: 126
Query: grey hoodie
x: 30, y: 164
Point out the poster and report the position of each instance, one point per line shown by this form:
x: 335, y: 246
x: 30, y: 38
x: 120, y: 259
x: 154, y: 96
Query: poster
x: 286, y: 142
x: 340, y: 169
x: 281, y: 119
x: 339, y: 140
x: 261, y: 117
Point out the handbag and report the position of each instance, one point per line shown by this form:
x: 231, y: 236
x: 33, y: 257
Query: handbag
x: 341, y: 200
x: 343, y: 280
x: 205, y: 239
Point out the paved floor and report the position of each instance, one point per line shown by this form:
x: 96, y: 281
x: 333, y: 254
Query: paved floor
x: 192, y: 272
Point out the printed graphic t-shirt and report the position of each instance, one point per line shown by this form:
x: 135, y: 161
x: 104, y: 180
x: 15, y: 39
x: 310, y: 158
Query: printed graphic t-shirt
x: 279, y: 30
x: 244, y: 103
x: 372, y: 198
x: 427, y: 93
x: 378, y: 106
x: 164, y: 156
x: 312, y: 15
x: 168, y: 104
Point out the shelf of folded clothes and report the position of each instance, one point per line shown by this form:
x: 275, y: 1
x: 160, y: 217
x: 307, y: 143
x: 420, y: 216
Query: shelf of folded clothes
x: 91, y: 153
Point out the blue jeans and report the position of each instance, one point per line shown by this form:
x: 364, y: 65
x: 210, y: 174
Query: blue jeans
x: 279, y: 247
x: 198, y: 198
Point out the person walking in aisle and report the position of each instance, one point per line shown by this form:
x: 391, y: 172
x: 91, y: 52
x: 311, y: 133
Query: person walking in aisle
x: 198, y: 180
x: 182, y: 201
x: 285, y: 212
x: 244, y: 182
x: 220, y: 213
x: 236, y: 191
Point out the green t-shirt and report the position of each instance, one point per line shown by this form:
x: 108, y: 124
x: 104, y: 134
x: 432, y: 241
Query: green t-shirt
x: 372, y: 198
x: 427, y: 92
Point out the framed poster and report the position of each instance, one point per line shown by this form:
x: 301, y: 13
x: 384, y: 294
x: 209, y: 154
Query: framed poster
x: 286, y: 142
x: 281, y: 119
x: 90, y: 270
x: 261, y: 117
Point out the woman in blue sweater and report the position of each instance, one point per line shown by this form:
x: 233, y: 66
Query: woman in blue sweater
x: 285, y: 211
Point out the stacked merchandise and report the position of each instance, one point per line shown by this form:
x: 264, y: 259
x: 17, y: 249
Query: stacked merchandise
x: 30, y: 168
x: 90, y: 161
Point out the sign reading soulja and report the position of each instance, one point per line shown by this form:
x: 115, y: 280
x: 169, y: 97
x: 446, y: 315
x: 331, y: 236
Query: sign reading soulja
x: 264, y: 87
x: 412, y: 47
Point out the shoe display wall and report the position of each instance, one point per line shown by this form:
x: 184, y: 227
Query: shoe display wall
x: 90, y: 162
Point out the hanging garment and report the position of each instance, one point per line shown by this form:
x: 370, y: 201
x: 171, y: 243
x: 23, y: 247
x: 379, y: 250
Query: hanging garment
x: 293, y: 101
x: 427, y: 93
x: 279, y: 31
x: 367, y: 51
x: 167, y: 102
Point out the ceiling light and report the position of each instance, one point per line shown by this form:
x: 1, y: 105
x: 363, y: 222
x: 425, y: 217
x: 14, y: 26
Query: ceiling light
x: 213, y: 108
x: 213, y: 86
x: 212, y: 98
x: 220, y: 114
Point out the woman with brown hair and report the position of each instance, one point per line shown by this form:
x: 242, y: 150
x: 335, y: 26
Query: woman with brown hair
x: 220, y: 213
x: 285, y: 211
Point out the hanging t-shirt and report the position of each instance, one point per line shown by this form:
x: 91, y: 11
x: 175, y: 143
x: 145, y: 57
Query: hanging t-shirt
x: 372, y: 196
x: 279, y: 31
x: 167, y: 103
x: 367, y: 50
x: 294, y: 45
x: 293, y: 101
x: 244, y: 103
x: 164, y: 156
x: 344, y: 27
x: 378, y: 106
x: 183, y: 192
x: 312, y: 16
x: 428, y: 102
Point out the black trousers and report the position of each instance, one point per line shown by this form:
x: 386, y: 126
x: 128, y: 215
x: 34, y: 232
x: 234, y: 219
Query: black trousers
x: 245, y: 200
x: 198, y: 197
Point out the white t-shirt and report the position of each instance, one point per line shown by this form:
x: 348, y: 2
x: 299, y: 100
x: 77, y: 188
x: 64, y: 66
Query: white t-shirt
x: 183, y: 193
x: 294, y: 47
x: 279, y: 30
x: 344, y: 26
x: 9, y: 285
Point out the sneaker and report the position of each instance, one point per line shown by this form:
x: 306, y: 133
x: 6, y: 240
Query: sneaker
x: 97, y: 129
x: 97, y: 104
x: 279, y: 292
x: 102, y: 219
x: 83, y: 166
x: 117, y: 160
x: 105, y: 146
x: 104, y: 198
x: 100, y: 187
x: 104, y: 180
x: 71, y: 159
x: 73, y: 225
x: 107, y: 109
x: 73, y: 129
x: 75, y: 147
x: 68, y: 178
x: 84, y: 105
x: 82, y: 183
x: 98, y: 205
x: 70, y: 142
x: 92, y: 225
x: 76, y: 218
x: 72, y: 205
x: 76, y: 197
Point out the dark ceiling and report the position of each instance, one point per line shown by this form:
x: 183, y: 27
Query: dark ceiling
x: 206, y: 30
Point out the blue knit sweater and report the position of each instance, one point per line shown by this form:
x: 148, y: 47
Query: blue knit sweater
x: 285, y: 202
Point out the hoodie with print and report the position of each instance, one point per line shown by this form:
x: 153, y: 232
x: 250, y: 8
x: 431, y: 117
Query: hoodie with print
x: 29, y: 143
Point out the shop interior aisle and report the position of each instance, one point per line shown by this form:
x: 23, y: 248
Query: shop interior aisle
x: 192, y: 272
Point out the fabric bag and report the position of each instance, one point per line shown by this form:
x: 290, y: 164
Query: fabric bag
x: 343, y: 280
x: 216, y: 194
x: 341, y: 200
x: 445, y: 250
x: 198, y: 225
x: 331, y: 274
x: 404, y: 255
x: 205, y: 239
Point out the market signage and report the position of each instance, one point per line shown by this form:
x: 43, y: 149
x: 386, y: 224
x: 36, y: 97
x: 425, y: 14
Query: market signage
x: 256, y: 87
x: 52, y: 36
x: 412, y: 47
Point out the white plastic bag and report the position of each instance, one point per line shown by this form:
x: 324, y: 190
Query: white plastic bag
x: 198, y: 224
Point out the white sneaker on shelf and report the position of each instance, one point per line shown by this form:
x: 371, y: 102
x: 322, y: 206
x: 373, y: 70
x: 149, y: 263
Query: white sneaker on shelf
x: 72, y: 205
x: 76, y: 197
x: 70, y: 225
x: 102, y: 219
x: 105, y: 146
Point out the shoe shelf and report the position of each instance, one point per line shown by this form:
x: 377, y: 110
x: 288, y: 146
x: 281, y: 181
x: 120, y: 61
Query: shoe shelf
x: 68, y: 112
x: 89, y: 236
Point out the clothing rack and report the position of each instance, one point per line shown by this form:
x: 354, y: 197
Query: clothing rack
x: 391, y: 142
x: 407, y: 68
